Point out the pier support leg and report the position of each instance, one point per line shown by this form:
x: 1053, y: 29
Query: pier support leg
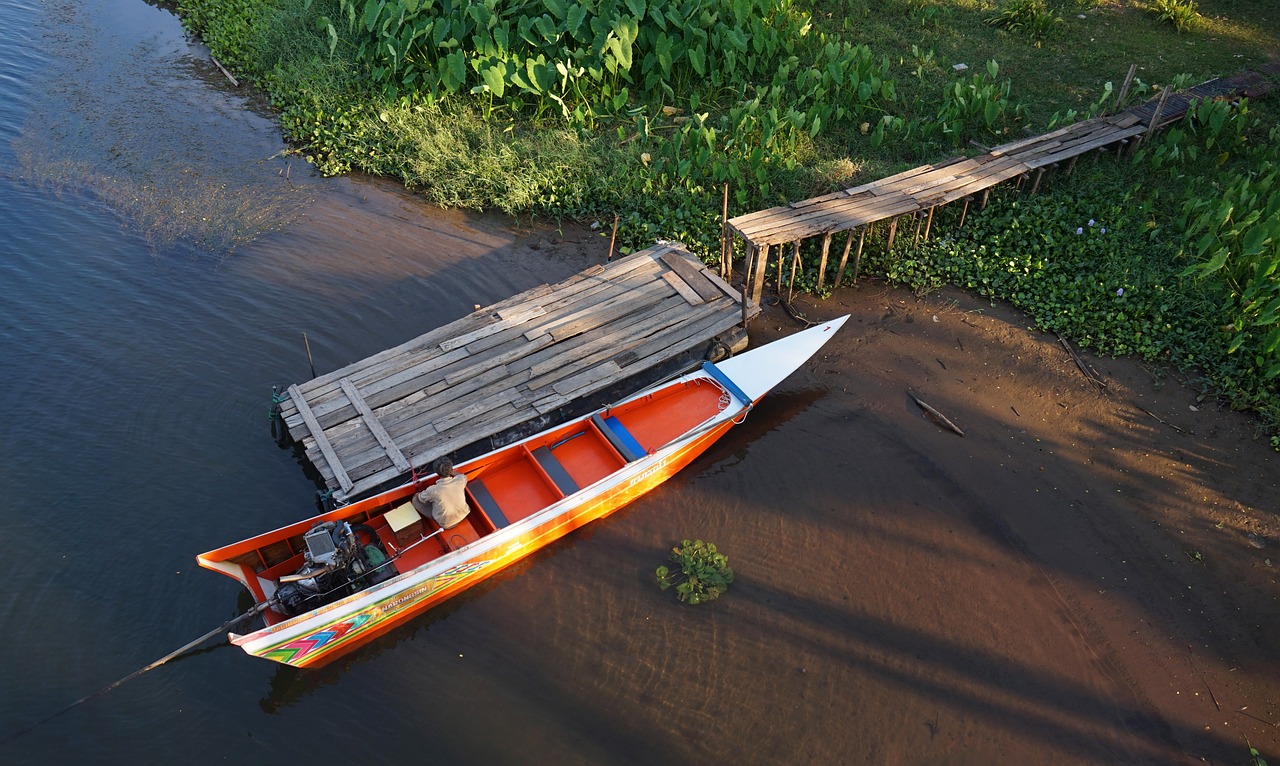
x: 762, y: 266
x: 795, y: 261
x: 844, y: 257
x: 1036, y: 185
x: 822, y: 264
x: 857, y: 259
x: 726, y: 245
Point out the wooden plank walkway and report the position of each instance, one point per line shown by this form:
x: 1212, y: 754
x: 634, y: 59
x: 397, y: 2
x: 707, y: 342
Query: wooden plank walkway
x: 515, y: 361
x: 925, y: 188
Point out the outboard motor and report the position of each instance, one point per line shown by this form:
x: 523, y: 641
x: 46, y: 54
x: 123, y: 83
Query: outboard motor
x: 335, y: 565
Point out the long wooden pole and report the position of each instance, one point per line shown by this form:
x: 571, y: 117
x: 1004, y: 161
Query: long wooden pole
x: 311, y: 361
x: 1124, y: 89
x: 176, y: 653
x: 726, y: 247
x: 613, y: 238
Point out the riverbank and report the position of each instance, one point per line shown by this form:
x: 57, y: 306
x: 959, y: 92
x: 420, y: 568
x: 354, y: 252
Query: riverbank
x: 1087, y: 575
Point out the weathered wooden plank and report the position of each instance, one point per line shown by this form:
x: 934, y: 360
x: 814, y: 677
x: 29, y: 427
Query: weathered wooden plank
x: 525, y: 349
x: 413, y: 427
x: 693, y: 275
x: 724, y: 287
x: 1079, y: 149
x: 321, y: 442
x: 682, y: 287
x: 609, y: 310
x: 515, y: 318
x: 371, y: 422
x: 604, y: 372
x: 375, y: 367
x: 624, y: 337
x: 653, y: 318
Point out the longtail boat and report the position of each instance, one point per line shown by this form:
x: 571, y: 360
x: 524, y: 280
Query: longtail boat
x: 331, y: 583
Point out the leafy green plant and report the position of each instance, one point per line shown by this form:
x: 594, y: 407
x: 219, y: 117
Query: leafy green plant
x: 1182, y: 14
x: 703, y: 572
x: 1236, y: 236
x: 1032, y: 18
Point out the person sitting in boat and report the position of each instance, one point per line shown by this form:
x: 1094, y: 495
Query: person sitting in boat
x: 446, y: 500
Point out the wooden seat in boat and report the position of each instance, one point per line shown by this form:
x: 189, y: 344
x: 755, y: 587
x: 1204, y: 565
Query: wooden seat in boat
x: 559, y: 476
x: 620, y: 438
x: 483, y: 500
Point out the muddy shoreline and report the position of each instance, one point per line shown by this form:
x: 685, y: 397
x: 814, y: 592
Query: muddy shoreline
x: 1091, y: 572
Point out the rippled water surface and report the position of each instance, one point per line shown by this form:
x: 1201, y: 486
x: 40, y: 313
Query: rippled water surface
x: 161, y: 258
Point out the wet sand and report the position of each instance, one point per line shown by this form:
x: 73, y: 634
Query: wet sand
x: 1072, y: 581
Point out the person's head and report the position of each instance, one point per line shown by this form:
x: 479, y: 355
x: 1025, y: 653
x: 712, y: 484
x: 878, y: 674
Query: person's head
x: 444, y: 467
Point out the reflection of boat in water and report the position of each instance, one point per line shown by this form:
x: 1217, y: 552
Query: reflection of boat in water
x: 335, y: 581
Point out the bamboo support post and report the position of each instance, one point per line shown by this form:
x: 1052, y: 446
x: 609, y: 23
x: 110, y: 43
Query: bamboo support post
x: 928, y: 224
x: 857, y: 259
x: 795, y: 261
x: 1035, y: 186
x: 1155, y: 116
x: 915, y: 240
x: 726, y: 247
x: 844, y: 257
x: 822, y: 263
x: 1071, y: 166
x: 893, y: 231
x: 781, y: 257
x: 986, y: 195
x: 1124, y: 89
x: 964, y: 211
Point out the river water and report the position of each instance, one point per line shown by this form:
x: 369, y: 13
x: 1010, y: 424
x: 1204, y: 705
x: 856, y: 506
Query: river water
x: 161, y: 258
x: 903, y: 595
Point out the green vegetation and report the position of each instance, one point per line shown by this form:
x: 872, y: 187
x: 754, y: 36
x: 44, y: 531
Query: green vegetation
x: 703, y: 574
x: 647, y: 108
x: 1180, y: 13
x: 1032, y: 18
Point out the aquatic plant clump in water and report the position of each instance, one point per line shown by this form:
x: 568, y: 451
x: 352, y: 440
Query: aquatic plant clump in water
x: 703, y: 574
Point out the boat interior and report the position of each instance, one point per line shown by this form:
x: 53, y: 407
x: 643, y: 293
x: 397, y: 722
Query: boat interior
x: 503, y: 487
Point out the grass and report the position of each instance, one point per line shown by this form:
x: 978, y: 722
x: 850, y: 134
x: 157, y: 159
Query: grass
x: 880, y: 91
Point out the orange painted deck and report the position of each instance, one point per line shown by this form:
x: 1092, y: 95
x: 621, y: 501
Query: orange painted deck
x: 523, y: 360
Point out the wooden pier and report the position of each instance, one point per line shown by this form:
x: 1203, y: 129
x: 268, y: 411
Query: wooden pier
x: 920, y: 191
x: 522, y: 360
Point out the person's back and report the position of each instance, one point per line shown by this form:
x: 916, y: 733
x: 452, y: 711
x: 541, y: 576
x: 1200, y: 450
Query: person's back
x: 446, y: 500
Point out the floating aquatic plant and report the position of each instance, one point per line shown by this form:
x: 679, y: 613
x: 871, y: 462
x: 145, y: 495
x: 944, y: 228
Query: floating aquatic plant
x: 702, y: 575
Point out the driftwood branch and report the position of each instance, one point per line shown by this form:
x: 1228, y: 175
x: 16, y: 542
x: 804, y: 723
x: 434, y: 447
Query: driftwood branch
x: 938, y: 417
x: 1088, y: 372
x: 1167, y: 423
x: 223, y: 69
